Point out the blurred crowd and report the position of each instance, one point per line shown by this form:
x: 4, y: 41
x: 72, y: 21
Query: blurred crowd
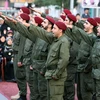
x: 6, y: 52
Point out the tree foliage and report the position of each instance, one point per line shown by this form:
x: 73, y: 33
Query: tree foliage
x: 64, y: 3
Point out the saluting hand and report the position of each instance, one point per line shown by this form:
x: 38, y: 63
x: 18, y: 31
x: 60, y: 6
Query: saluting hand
x: 11, y: 19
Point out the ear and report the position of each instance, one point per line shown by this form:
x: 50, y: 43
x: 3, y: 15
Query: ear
x: 49, y: 25
x: 60, y: 30
x: 71, y: 22
x: 91, y: 26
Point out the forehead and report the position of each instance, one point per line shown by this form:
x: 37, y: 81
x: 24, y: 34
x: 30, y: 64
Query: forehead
x: 55, y: 26
x: 45, y: 21
x: 66, y: 18
x: 20, y: 10
x: 86, y: 22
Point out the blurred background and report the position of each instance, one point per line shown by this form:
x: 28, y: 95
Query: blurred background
x: 51, y: 7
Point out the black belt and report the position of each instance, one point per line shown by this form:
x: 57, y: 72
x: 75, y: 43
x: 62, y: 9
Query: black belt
x: 52, y: 67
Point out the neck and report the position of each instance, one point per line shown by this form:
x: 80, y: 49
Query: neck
x: 90, y: 31
x: 48, y: 30
x: 60, y: 35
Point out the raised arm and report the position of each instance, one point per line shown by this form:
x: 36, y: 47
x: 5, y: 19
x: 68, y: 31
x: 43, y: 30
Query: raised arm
x: 81, y: 34
x: 41, y: 33
x: 69, y: 33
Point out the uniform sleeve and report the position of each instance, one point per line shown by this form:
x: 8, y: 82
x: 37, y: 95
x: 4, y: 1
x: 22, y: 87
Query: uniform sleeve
x: 41, y: 33
x: 69, y: 33
x: 24, y: 31
x: 79, y: 33
x: 63, y: 60
x: 11, y: 24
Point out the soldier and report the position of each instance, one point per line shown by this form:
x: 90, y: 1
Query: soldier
x: 66, y: 12
x: 20, y: 71
x: 94, y: 42
x: 72, y: 66
x: 39, y: 57
x: 85, y: 86
x: 16, y: 44
x: 56, y: 74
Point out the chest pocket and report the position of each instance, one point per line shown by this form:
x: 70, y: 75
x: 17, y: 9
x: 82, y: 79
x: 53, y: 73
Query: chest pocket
x: 96, y: 53
x: 28, y: 45
x: 55, y: 51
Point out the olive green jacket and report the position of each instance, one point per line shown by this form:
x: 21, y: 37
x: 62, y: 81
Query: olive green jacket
x: 58, y: 56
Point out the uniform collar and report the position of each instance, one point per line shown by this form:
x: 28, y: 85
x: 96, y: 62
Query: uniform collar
x: 57, y: 39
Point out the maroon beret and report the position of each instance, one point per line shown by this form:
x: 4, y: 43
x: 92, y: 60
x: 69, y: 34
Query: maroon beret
x: 66, y: 11
x: 92, y: 21
x: 25, y: 16
x: 72, y: 17
x: 38, y: 20
x: 25, y: 10
x: 63, y: 17
x: 50, y: 19
x: 97, y: 19
x: 61, y: 25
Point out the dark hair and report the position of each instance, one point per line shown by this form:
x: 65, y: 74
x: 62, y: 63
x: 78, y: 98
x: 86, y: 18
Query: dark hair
x: 86, y: 9
x: 51, y: 24
x: 77, y: 14
x: 27, y: 21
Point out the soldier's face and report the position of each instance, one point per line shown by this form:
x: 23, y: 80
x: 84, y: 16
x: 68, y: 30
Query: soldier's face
x: 45, y: 24
x: 60, y: 19
x: 63, y: 14
x: 66, y: 21
x: 32, y: 21
x: 20, y: 12
x: 87, y: 26
x: 55, y: 30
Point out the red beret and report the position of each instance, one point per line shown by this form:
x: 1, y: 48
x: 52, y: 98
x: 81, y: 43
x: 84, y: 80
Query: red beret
x: 63, y: 17
x: 66, y: 11
x: 97, y: 19
x: 72, y: 17
x: 38, y: 20
x: 61, y: 25
x: 92, y: 21
x: 25, y: 16
x: 25, y: 10
x: 50, y: 19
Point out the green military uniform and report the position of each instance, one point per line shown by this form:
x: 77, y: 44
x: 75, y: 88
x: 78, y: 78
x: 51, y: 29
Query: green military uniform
x: 94, y: 42
x: 72, y: 66
x: 57, y: 61
x: 20, y: 71
x: 85, y: 86
x: 71, y: 71
x: 85, y: 89
x: 15, y: 47
x: 38, y: 58
x: 27, y: 63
